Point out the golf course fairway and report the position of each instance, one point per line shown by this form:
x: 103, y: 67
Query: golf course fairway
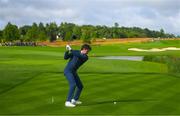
x: 32, y: 82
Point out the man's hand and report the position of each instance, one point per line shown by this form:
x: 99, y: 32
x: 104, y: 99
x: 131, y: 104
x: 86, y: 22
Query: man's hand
x: 68, y: 47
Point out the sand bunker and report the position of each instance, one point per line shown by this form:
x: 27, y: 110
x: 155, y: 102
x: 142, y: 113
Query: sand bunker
x: 153, y: 49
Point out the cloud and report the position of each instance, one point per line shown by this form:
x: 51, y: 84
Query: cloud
x: 153, y: 14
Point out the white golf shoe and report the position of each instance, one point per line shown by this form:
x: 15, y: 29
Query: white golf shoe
x: 73, y: 101
x: 69, y: 104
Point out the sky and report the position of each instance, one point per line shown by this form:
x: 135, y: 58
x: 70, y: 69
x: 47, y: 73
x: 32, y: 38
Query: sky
x: 152, y: 14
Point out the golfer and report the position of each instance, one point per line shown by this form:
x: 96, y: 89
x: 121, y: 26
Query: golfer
x: 76, y: 59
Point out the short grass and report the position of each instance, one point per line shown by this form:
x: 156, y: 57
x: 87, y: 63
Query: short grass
x: 30, y: 77
x: 122, y: 49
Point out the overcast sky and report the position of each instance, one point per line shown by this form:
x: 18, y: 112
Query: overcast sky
x: 152, y: 14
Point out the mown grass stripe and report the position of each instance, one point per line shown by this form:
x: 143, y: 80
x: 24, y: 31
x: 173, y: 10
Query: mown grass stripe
x: 150, y: 96
x: 166, y: 94
x: 124, y: 84
x: 131, y: 94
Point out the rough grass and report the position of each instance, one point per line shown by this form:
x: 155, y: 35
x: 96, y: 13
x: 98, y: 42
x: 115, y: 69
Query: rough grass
x: 172, y: 62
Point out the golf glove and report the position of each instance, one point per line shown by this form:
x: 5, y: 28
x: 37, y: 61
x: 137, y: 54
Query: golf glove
x: 68, y: 47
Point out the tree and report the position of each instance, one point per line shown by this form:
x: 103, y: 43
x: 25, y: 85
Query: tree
x: 52, y: 31
x: 116, y: 25
x: 115, y: 32
x: 77, y: 32
x: 122, y: 35
x: 86, y: 36
x: 1, y: 36
x: 42, y: 36
x: 23, y: 31
x: 33, y: 32
x: 68, y: 36
x: 42, y: 32
x: 162, y: 34
x: 148, y: 32
x: 41, y: 27
x: 11, y: 32
x: 66, y: 30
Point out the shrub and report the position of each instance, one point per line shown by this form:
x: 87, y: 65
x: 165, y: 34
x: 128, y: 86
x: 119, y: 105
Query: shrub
x: 172, y: 62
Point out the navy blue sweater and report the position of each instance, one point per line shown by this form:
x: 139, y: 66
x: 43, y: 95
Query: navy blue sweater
x: 76, y: 60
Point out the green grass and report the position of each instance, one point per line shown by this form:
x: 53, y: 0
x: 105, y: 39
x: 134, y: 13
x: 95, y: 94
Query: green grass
x: 122, y: 49
x: 31, y: 76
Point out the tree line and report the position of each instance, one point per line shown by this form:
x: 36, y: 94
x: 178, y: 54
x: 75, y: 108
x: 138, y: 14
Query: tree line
x: 70, y: 31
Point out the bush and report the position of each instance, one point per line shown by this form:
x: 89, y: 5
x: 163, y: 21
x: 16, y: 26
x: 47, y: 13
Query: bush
x: 172, y: 62
x: 159, y: 59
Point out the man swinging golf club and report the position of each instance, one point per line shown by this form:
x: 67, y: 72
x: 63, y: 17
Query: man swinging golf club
x: 76, y: 59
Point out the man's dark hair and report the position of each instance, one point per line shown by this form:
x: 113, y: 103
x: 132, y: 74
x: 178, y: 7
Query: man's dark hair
x: 86, y: 46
